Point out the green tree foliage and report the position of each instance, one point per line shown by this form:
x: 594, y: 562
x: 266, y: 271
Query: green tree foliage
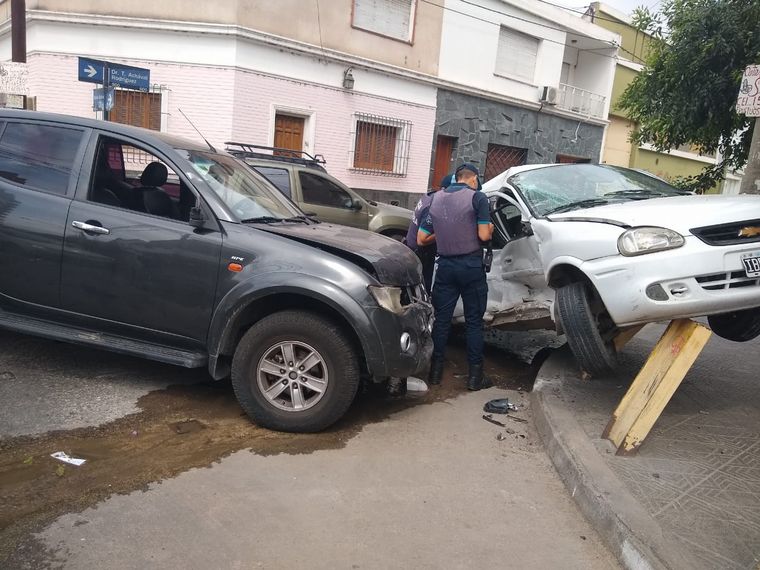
x: 687, y: 91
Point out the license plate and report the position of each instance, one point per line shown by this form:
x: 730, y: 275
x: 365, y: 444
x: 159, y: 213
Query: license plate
x: 751, y: 263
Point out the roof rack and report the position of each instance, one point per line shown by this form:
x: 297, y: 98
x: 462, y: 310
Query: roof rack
x: 245, y: 150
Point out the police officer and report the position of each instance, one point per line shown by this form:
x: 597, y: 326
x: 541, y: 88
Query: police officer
x: 426, y: 253
x: 458, y: 220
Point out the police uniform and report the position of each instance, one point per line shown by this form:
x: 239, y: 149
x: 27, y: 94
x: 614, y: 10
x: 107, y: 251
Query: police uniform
x: 426, y: 253
x: 453, y: 216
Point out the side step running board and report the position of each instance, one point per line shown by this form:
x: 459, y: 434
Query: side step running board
x: 113, y: 343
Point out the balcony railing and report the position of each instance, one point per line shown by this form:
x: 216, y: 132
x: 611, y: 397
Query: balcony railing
x: 580, y: 101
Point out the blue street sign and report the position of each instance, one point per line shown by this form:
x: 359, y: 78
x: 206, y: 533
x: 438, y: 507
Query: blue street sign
x: 99, y: 103
x: 125, y: 76
x: 91, y: 70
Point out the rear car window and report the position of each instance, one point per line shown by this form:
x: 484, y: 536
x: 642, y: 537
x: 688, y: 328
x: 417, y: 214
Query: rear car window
x: 38, y: 156
x: 280, y: 177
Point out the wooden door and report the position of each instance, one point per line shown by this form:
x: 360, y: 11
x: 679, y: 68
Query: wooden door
x: 444, y: 150
x: 288, y: 133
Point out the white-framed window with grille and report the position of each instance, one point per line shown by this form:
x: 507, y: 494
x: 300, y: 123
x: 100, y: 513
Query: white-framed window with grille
x: 389, y: 18
x: 516, y: 55
x: 380, y: 145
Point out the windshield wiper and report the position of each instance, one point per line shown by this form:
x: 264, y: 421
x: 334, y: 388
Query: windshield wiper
x: 273, y: 220
x: 302, y: 220
x: 589, y: 202
x: 642, y: 192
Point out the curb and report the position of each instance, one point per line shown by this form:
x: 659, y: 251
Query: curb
x: 633, y: 536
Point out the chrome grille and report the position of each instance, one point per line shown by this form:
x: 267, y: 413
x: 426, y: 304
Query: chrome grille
x: 728, y: 280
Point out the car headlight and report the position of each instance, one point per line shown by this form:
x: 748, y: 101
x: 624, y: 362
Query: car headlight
x: 638, y: 241
x: 389, y: 298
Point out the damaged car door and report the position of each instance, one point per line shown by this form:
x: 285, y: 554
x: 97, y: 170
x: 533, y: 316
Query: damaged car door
x: 518, y: 297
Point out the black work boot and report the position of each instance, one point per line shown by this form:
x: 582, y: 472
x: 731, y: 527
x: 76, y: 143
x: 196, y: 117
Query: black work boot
x: 436, y: 372
x: 476, y: 380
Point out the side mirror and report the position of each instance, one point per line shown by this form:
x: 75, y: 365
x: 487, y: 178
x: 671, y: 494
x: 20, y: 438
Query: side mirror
x: 197, y: 219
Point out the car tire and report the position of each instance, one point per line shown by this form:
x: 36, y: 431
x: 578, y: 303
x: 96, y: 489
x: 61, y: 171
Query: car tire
x: 739, y: 326
x: 594, y: 354
x: 273, y: 392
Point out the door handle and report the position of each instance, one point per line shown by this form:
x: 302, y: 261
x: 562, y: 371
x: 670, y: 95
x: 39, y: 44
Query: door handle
x: 91, y: 229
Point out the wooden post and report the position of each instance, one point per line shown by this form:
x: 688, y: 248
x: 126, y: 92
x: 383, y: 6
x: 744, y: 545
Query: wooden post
x: 655, y: 384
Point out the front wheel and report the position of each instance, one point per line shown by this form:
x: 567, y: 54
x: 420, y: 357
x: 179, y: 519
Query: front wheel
x: 295, y: 371
x: 581, y: 317
x: 739, y: 326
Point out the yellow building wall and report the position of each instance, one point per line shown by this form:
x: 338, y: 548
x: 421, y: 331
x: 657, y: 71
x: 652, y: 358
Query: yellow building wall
x: 617, y: 145
x: 668, y: 166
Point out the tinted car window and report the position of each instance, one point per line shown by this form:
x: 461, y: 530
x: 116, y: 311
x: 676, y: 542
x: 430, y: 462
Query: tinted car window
x: 277, y: 176
x: 322, y: 192
x: 38, y: 156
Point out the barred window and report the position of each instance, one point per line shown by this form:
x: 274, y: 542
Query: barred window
x: 137, y: 108
x: 381, y: 145
x: 391, y: 18
x: 517, y: 54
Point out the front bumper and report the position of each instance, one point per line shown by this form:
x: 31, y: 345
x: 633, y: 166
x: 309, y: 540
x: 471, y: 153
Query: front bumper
x: 694, y: 280
x: 388, y: 358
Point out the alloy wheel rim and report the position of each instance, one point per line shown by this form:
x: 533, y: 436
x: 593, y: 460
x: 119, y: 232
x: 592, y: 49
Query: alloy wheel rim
x: 292, y: 376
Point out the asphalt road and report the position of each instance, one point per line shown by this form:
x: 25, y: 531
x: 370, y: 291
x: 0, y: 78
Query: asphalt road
x: 176, y: 477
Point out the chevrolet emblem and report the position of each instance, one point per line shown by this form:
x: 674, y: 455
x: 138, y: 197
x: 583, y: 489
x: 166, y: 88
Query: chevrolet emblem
x: 749, y: 231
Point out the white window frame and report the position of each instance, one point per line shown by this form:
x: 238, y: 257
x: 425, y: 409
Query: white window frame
x: 403, y: 138
x: 412, y: 21
x: 309, y: 128
x: 515, y: 76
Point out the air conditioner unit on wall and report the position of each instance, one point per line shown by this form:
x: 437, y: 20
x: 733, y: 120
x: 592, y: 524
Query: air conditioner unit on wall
x: 548, y: 95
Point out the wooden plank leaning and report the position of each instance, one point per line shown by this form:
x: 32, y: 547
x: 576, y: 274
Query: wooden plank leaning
x: 655, y: 384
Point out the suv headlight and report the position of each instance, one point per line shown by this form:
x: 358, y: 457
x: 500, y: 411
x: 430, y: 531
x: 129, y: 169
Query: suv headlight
x: 638, y: 241
x: 389, y: 298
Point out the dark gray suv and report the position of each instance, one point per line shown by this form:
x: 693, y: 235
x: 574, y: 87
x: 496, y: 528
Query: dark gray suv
x: 144, y: 244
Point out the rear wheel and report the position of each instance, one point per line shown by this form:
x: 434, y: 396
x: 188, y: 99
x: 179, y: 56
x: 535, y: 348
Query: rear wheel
x: 588, y: 328
x: 739, y: 326
x: 295, y: 371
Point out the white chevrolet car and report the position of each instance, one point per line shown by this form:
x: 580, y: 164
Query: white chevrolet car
x: 591, y: 250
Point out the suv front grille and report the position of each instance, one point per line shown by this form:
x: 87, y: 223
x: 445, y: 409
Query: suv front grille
x: 413, y: 294
x: 729, y: 234
x: 729, y: 280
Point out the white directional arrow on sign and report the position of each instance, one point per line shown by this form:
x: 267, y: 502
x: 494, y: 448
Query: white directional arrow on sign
x: 90, y: 71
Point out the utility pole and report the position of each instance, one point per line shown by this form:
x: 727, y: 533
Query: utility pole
x: 18, y: 31
x: 751, y: 180
x: 106, y: 87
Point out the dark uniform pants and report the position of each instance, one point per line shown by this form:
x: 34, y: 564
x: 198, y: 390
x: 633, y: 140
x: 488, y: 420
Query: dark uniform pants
x: 454, y: 277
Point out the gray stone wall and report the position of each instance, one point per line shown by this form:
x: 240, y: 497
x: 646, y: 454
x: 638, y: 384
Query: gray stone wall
x: 476, y: 123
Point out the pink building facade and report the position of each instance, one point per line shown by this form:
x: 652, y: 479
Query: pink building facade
x: 238, y: 96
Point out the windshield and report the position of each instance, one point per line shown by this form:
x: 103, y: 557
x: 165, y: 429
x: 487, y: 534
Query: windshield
x: 248, y: 195
x: 571, y: 187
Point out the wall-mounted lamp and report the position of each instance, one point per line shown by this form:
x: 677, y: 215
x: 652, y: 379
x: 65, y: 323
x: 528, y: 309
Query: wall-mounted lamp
x: 348, y: 78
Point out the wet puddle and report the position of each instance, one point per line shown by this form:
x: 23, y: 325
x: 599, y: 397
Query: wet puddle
x: 177, y: 429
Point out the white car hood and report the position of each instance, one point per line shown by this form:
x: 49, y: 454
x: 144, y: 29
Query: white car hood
x: 679, y: 213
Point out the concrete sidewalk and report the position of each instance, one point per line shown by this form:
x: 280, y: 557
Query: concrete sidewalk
x: 691, y: 497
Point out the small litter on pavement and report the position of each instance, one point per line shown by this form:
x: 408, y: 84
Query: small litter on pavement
x: 499, y: 406
x: 63, y: 456
x: 416, y: 385
x: 489, y: 419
